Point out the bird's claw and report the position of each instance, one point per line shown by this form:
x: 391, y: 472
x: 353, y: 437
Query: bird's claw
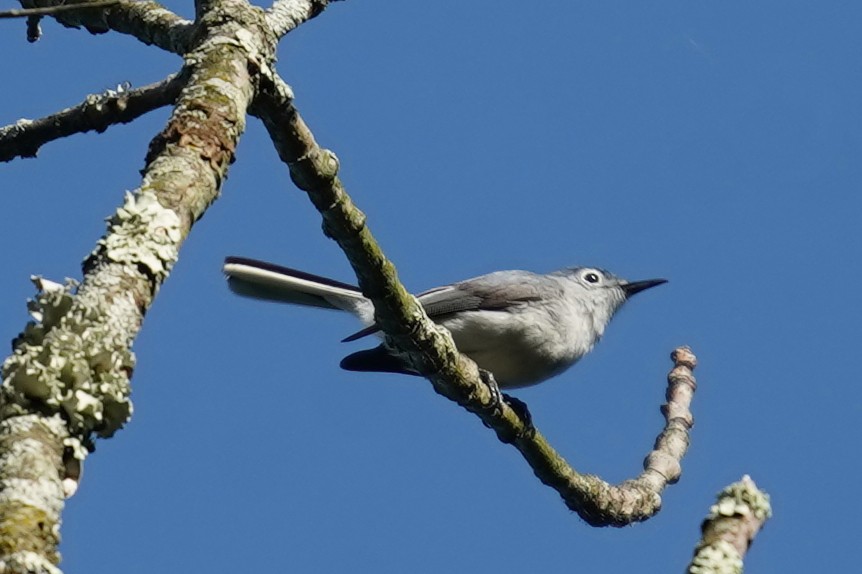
x: 496, y: 395
x: 499, y: 398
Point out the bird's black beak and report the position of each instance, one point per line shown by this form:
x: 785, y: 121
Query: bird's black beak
x: 637, y: 286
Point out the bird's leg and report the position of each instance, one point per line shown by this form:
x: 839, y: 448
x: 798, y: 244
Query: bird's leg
x: 498, y: 398
x: 487, y: 377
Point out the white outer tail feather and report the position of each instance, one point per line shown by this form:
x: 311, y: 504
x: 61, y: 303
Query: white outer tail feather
x: 258, y: 281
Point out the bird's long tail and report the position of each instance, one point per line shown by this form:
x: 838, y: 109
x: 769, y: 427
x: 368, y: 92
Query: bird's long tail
x: 269, y: 282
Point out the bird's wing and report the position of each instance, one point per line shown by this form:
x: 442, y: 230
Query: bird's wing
x: 495, y: 291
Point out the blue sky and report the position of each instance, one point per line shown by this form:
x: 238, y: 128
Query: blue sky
x: 715, y: 144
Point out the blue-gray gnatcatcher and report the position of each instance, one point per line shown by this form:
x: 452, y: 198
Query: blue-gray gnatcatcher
x: 522, y: 327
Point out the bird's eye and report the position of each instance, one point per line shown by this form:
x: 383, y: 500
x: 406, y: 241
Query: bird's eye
x: 591, y: 277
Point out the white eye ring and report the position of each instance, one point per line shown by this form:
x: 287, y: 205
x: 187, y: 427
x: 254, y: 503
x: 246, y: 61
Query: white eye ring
x: 591, y: 277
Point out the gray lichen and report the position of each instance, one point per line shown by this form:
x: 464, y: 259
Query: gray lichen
x: 65, y: 363
x: 718, y: 558
x: 143, y: 233
x: 741, y: 498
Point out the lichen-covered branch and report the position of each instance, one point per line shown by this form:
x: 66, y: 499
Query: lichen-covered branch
x: 730, y: 527
x: 97, y: 112
x: 73, y: 362
x: 433, y: 354
x: 146, y: 20
x: 285, y: 15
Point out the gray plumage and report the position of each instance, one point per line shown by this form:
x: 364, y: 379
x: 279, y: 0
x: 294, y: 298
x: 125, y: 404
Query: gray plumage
x: 523, y: 327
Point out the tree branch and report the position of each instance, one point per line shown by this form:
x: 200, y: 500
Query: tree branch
x: 146, y: 20
x: 97, y: 112
x: 432, y: 352
x: 730, y: 527
x: 32, y: 465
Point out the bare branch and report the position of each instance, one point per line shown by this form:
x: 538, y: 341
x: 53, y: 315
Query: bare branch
x: 730, y: 527
x: 97, y: 112
x: 285, y: 15
x: 433, y: 354
x: 50, y: 10
x: 146, y: 20
x: 602, y: 504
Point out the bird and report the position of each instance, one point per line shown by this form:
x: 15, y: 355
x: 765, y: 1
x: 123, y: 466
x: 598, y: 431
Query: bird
x: 522, y: 327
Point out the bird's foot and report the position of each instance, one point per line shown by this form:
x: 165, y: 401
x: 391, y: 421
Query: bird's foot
x: 523, y: 412
x: 496, y: 395
x: 499, y: 398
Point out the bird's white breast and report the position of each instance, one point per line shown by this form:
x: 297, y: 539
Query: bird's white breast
x: 524, y: 345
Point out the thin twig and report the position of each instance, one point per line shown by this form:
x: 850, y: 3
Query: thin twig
x: 50, y: 10
x: 97, y: 112
x: 603, y: 504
